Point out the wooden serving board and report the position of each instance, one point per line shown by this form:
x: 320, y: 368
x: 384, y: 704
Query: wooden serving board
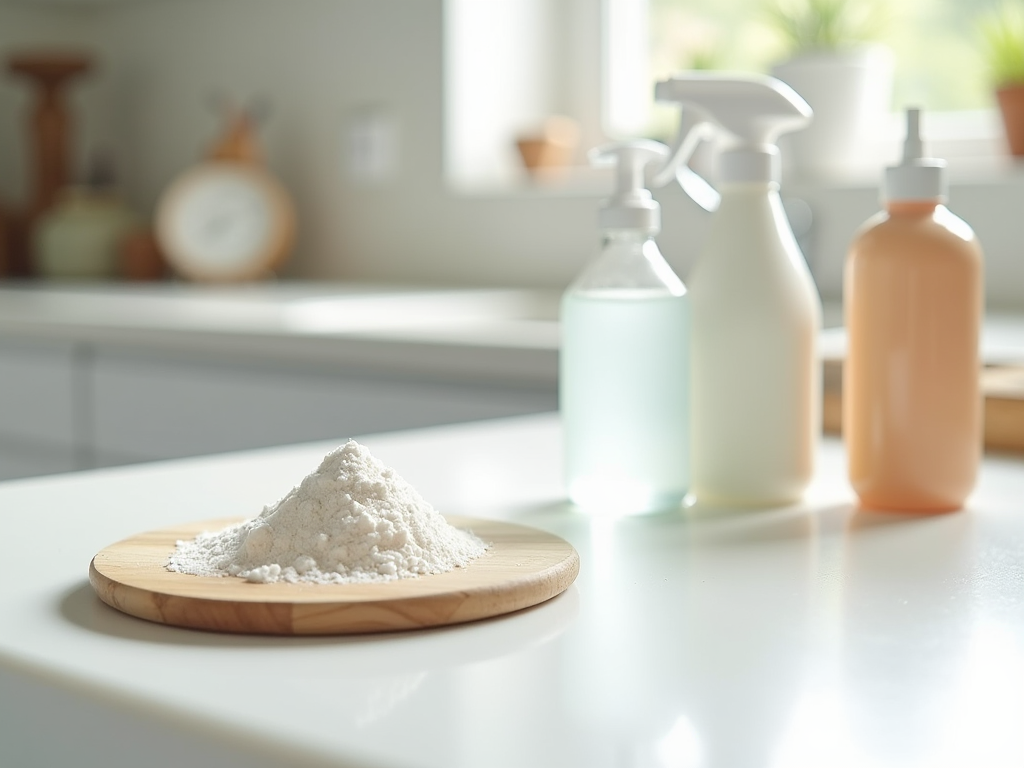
x: 523, y: 567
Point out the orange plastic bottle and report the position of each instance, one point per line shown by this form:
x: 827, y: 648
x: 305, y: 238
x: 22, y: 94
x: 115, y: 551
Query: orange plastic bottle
x: 913, y: 300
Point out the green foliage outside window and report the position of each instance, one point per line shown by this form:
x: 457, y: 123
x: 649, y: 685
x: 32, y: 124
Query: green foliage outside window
x: 1002, y: 35
x: 807, y: 26
x: 942, y: 59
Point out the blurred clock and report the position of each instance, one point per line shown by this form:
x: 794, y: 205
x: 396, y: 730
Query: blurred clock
x: 226, y: 219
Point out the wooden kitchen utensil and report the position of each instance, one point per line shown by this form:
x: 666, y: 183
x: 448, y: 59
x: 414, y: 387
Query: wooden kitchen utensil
x: 3, y: 243
x: 50, y: 130
x: 522, y: 567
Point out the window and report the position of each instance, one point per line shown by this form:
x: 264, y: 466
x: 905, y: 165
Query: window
x: 510, y: 63
x: 938, y: 63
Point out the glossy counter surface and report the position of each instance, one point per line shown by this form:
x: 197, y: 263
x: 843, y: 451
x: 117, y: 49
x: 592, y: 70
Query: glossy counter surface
x: 805, y: 636
x: 502, y: 334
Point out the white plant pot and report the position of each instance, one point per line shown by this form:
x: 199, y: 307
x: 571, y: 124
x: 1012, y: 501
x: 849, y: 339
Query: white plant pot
x: 850, y: 93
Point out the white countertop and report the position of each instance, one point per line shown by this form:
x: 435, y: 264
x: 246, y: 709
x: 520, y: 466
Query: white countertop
x: 815, y: 635
x: 510, y: 333
x: 506, y: 334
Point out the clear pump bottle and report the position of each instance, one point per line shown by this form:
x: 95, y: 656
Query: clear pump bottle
x: 913, y: 296
x: 624, y: 378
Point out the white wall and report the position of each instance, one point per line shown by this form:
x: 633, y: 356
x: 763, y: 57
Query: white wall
x: 323, y: 65
x: 320, y: 64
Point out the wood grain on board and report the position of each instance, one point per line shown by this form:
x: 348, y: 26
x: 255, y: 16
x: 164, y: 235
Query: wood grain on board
x: 523, y: 567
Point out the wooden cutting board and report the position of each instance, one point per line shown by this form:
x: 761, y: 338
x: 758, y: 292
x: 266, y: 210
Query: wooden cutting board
x: 523, y: 567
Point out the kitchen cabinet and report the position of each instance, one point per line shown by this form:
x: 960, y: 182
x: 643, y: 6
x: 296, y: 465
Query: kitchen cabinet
x: 23, y: 459
x: 38, y: 383
x: 41, y: 408
x: 96, y: 376
x: 147, y: 407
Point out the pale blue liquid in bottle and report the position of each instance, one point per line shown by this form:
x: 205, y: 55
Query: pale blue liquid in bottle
x: 624, y: 381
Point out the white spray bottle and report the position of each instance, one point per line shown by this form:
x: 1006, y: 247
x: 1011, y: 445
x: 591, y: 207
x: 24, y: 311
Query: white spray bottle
x: 624, y: 378
x: 756, y: 312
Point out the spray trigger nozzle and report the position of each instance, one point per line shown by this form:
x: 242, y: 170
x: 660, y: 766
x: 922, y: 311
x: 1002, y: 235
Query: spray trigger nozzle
x: 693, y: 129
x: 748, y: 111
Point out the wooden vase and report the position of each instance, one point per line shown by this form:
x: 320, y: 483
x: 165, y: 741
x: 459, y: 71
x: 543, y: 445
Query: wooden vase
x: 50, y: 133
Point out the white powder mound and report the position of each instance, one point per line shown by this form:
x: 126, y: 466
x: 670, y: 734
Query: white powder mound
x: 352, y: 520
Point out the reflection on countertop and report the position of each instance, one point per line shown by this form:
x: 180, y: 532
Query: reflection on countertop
x: 492, y: 317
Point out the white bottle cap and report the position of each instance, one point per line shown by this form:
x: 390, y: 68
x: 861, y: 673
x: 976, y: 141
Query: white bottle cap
x: 749, y: 164
x: 917, y: 177
x: 631, y: 205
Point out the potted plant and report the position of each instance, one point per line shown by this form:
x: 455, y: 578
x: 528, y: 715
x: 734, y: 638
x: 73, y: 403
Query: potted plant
x: 1002, y: 37
x: 834, y: 62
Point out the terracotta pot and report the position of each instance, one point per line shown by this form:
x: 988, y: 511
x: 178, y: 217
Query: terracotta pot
x: 543, y: 154
x: 552, y: 148
x: 1011, y: 105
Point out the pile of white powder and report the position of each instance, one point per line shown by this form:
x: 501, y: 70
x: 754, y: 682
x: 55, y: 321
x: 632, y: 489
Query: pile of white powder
x: 352, y: 520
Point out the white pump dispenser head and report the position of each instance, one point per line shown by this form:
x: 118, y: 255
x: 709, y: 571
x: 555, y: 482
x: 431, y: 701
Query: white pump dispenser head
x: 752, y: 110
x: 917, y: 177
x: 631, y: 205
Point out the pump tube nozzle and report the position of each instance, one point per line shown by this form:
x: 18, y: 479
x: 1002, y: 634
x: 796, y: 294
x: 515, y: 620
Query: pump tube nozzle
x: 916, y: 177
x: 631, y: 205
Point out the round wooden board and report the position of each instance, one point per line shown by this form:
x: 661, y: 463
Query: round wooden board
x: 522, y: 567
